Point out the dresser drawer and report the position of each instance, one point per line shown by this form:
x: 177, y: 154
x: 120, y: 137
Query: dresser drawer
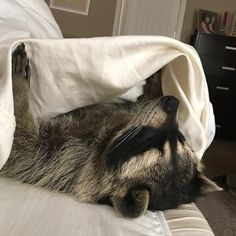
x: 219, y: 67
x: 225, y: 118
x: 216, y: 45
x: 222, y: 90
x: 225, y: 131
x: 224, y: 114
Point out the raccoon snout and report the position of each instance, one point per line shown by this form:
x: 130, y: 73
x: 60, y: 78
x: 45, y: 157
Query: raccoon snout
x: 169, y: 104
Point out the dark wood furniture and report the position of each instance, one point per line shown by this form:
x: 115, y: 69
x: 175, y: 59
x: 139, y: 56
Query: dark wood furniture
x: 218, y: 56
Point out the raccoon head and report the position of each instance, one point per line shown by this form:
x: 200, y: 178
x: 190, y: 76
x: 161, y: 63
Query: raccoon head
x: 153, y: 165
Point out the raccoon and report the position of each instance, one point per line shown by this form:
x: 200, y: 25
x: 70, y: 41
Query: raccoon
x: 131, y: 156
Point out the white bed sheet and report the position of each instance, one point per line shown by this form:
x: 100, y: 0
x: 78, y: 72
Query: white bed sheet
x: 27, y: 19
x: 28, y: 211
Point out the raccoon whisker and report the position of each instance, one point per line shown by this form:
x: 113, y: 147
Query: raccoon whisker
x: 150, y: 118
x: 149, y: 110
x: 136, y: 132
x: 130, y: 134
x: 142, y: 111
x: 126, y: 136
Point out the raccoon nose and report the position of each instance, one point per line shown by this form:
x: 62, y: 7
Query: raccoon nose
x: 170, y: 104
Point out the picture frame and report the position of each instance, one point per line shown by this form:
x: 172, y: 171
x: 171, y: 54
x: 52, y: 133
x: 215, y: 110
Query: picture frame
x: 73, y: 6
x: 207, y: 21
x: 233, y: 25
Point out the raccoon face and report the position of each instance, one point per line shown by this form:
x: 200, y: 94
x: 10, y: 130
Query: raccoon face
x: 154, y: 166
x: 152, y: 124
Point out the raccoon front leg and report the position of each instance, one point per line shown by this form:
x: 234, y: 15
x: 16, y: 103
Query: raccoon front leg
x: 21, y: 86
x: 20, y: 80
x: 133, y: 204
x: 152, y: 89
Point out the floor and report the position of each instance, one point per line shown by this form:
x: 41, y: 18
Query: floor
x: 220, y: 208
x: 220, y: 158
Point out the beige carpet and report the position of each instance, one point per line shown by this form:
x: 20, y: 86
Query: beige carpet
x: 220, y: 208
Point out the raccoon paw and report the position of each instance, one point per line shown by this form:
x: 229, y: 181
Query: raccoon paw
x: 20, y: 63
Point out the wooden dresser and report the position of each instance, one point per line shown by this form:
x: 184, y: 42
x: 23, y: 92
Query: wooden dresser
x: 218, y: 56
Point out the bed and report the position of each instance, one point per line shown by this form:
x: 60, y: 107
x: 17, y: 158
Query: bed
x: 119, y: 74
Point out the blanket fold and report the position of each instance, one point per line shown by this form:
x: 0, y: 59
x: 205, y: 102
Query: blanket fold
x: 71, y: 73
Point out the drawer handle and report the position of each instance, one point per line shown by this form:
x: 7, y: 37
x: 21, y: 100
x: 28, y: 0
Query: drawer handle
x: 230, y: 48
x: 228, y: 68
x: 218, y: 126
x: 222, y: 88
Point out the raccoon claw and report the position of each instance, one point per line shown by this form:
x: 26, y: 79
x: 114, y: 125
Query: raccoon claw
x: 27, y: 70
x: 20, y: 63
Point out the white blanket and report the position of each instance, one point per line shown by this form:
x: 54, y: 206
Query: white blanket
x: 72, y: 73
x: 18, y: 19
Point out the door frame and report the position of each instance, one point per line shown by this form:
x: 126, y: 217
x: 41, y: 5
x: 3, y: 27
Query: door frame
x: 121, y: 16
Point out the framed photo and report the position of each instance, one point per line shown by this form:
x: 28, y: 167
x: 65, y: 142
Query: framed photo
x: 233, y: 25
x: 207, y: 21
x: 74, y: 6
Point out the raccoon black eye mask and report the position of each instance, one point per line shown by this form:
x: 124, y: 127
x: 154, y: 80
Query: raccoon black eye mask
x: 130, y: 156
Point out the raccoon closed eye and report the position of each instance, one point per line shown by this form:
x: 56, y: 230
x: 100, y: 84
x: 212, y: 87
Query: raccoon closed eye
x: 129, y: 145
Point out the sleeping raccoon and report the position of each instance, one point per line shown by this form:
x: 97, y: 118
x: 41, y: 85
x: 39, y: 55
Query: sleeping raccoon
x: 131, y: 156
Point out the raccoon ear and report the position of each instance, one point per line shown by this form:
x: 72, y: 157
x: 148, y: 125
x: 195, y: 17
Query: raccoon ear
x: 133, y: 204
x: 208, y: 186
